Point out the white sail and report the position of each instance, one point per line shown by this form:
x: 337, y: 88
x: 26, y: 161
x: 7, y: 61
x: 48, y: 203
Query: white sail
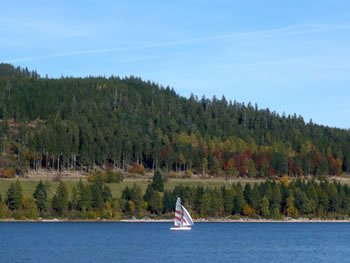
x: 187, y: 219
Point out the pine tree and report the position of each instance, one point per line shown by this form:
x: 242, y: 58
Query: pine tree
x: 107, y: 194
x: 264, y: 207
x: 255, y: 197
x: 158, y: 183
x: 60, y: 200
x: 238, y: 201
x: 14, y: 196
x: 276, y: 197
x: 148, y: 194
x: 97, y: 191
x: 205, y: 205
x: 228, y: 196
x: 85, y: 198
x: 168, y: 202
x: 247, y: 193
x: 74, y: 198
x: 40, y: 196
x: 126, y: 194
x: 10, y: 197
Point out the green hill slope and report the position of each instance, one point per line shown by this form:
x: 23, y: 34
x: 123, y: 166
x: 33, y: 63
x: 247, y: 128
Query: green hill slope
x: 76, y: 123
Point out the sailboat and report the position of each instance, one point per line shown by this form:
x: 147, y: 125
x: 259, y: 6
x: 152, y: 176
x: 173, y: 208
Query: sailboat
x: 183, y: 219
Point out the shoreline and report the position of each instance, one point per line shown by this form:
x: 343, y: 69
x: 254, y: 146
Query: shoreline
x: 242, y: 220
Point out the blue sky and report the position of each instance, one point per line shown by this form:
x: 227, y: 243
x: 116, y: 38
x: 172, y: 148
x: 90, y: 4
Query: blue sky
x: 289, y: 56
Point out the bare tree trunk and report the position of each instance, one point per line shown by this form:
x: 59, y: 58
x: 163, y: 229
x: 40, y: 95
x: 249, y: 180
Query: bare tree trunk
x: 3, y: 146
x: 47, y: 159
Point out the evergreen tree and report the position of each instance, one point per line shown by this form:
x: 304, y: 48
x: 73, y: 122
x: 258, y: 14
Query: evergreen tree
x: 126, y: 193
x: 276, y: 197
x: 155, y: 204
x: 40, y: 196
x: 107, y: 194
x: 14, y: 196
x: 54, y: 203
x: 136, y: 197
x: 97, y: 190
x: 247, y: 193
x: 255, y: 197
x: 205, y: 205
x: 149, y: 193
x: 60, y: 200
x: 264, y: 207
x: 228, y: 197
x: 168, y: 202
x: 74, y: 198
x: 158, y: 182
x: 85, y: 197
x: 238, y: 201
x: 10, y: 197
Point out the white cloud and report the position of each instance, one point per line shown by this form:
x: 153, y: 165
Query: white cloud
x: 67, y: 31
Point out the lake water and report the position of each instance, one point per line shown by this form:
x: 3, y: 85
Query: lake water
x: 154, y: 242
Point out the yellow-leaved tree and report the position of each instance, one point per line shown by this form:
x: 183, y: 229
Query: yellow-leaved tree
x: 30, y: 208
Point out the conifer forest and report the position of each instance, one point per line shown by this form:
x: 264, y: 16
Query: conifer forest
x: 117, y: 123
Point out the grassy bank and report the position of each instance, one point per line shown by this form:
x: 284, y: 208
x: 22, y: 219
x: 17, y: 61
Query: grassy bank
x: 29, y: 185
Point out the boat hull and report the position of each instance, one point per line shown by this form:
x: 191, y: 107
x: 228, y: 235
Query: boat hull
x: 183, y: 228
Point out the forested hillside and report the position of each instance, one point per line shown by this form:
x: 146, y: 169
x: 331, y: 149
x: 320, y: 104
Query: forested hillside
x: 78, y: 123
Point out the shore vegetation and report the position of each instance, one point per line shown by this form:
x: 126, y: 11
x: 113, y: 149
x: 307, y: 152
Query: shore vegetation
x: 275, y: 200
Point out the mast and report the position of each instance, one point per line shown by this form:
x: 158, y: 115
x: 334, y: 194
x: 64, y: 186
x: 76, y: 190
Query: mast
x: 182, y: 215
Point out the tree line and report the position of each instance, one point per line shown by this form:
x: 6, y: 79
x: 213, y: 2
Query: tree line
x: 270, y: 199
x: 80, y: 123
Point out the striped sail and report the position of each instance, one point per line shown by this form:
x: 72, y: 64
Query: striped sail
x: 178, y: 212
x: 182, y: 216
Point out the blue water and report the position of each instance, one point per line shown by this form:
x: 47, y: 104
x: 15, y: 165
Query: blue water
x: 154, y: 242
